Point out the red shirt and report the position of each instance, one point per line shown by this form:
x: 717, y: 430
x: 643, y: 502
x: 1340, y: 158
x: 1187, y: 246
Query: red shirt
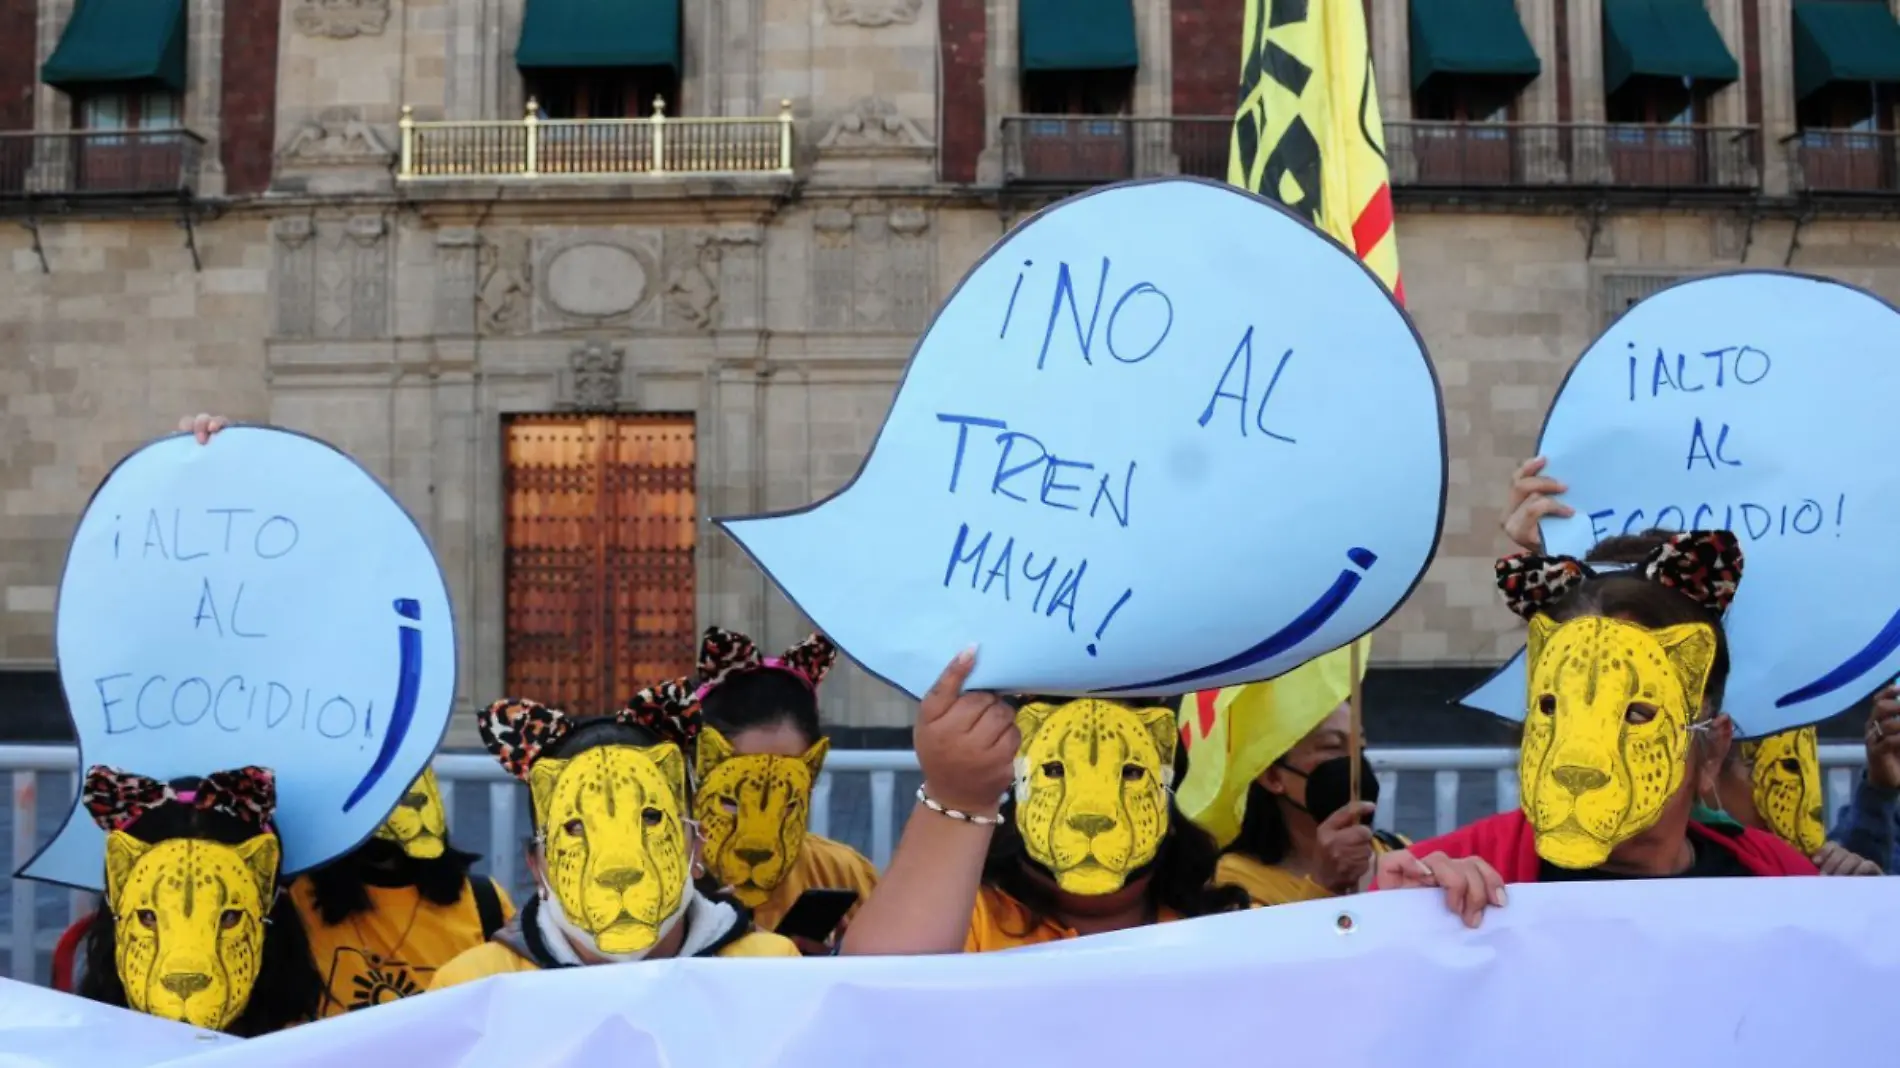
x: 1505, y: 841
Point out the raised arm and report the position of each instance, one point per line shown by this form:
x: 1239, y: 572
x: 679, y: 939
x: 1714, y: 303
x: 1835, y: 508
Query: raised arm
x: 966, y: 744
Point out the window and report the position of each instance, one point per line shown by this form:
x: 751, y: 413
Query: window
x: 1078, y: 92
x: 127, y: 111
x: 1856, y: 106
x: 1658, y: 102
x: 1452, y: 99
x: 608, y: 93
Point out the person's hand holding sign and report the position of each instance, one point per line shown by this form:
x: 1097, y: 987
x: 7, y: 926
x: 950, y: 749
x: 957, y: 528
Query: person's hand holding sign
x: 1533, y: 499
x: 1469, y: 883
x: 966, y: 744
x: 202, y: 426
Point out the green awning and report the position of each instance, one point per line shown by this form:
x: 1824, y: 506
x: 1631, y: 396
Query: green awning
x: 1856, y: 41
x: 120, y: 42
x: 574, y: 34
x: 1474, y: 37
x: 1078, y: 35
x: 1672, y: 39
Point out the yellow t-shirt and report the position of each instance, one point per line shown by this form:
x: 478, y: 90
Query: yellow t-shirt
x: 1266, y: 884
x: 393, y: 950
x: 1001, y: 922
x: 493, y: 958
x: 822, y: 865
x: 1270, y: 884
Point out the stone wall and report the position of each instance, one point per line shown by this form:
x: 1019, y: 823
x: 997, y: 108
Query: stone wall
x: 105, y: 345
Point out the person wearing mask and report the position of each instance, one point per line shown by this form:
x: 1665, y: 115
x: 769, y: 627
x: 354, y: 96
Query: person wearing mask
x: 1302, y: 838
x: 233, y: 958
x: 1623, y: 731
x: 1087, y: 841
x: 1865, y: 839
x: 760, y: 752
x: 616, y: 858
x: 385, y: 916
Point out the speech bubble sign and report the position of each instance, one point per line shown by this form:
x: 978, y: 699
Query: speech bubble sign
x: 260, y: 600
x: 1755, y: 402
x: 1164, y: 436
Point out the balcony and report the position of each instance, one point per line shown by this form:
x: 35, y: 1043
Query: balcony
x: 1458, y: 156
x: 1843, y: 161
x: 533, y: 148
x: 1072, y: 150
x: 101, y: 164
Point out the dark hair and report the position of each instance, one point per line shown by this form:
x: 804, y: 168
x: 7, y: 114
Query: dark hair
x: 341, y: 887
x: 762, y: 698
x: 288, y: 989
x: 1646, y: 603
x: 1263, y: 834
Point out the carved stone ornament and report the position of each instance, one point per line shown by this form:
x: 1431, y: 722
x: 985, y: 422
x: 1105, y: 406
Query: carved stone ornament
x: 692, y: 289
x: 504, y: 284
x: 340, y: 19
x: 337, y: 137
x: 594, y: 376
x: 874, y: 127
x: 873, y: 12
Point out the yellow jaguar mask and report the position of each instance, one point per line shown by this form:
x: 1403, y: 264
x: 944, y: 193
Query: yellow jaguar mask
x: 1092, y: 789
x: 1606, y: 734
x: 189, y: 915
x: 1787, y: 774
x: 752, y: 811
x: 419, y: 823
x: 614, y: 841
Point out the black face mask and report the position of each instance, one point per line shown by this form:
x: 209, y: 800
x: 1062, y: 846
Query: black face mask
x: 1329, y: 785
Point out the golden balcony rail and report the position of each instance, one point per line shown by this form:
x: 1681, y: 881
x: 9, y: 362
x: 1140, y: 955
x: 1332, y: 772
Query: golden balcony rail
x: 537, y: 148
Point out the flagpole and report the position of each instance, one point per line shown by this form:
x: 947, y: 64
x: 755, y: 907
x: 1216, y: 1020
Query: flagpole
x: 1356, y: 734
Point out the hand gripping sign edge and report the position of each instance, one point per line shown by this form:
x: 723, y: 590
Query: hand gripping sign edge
x: 1331, y: 592
x: 404, y: 712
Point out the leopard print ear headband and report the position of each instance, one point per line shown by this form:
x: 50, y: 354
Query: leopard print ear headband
x: 517, y: 731
x: 117, y: 799
x: 1704, y: 566
x: 725, y: 653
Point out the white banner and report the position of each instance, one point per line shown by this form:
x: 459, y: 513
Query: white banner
x: 1682, y: 972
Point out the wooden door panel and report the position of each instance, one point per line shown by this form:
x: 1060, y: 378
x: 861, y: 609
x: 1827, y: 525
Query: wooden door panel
x: 601, y: 530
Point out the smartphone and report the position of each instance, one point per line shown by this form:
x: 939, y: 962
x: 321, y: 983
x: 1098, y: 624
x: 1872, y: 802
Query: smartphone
x: 817, y: 913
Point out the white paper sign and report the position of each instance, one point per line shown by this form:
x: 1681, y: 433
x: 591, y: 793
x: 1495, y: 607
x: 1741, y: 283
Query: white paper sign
x: 258, y: 600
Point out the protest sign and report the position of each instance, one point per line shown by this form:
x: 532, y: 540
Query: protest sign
x: 1783, y: 971
x: 1753, y: 402
x: 258, y: 600
x: 1164, y: 436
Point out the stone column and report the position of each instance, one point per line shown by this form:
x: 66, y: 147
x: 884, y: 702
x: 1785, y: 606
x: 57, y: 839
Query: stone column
x: 204, y: 89
x: 1586, y: 61
x: 1538, y: 102
x: 1391, y: 33
x: 1002, y: 87
x: 1777, y: 94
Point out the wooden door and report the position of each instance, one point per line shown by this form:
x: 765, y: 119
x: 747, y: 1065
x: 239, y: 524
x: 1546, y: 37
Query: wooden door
x: 601, y: 526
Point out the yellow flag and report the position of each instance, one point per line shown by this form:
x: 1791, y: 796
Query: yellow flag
x: 1308, y: 131
x: 1234, y: 734
x: 1308, y: 134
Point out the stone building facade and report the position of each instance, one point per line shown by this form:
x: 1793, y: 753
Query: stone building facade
x: 368, y: 235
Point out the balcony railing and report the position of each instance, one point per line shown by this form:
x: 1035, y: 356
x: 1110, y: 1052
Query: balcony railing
x: 1075, y: 150
x: 102, y: 163
x: 1844, y: 161
x: 1475, y: 156
x: 535, y: 148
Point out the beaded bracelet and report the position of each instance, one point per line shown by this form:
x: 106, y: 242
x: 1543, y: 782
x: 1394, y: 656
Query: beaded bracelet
x: 936, y: 806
